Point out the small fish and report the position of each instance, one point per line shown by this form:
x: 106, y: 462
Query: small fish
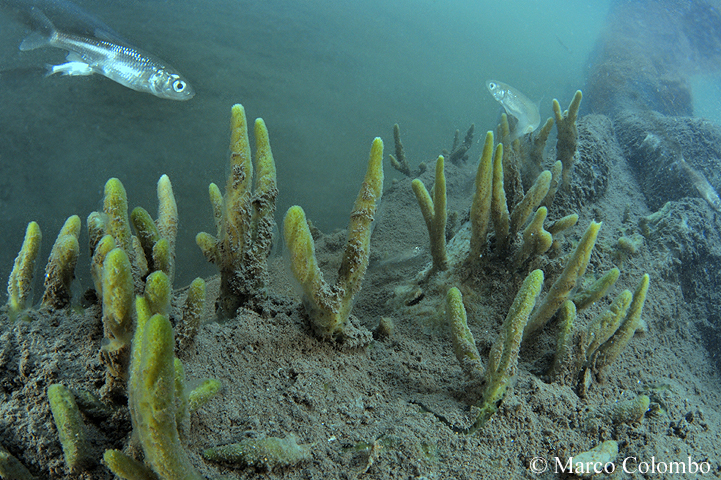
x: 705, y: 189
x: 517, y: 105
x: 400, y: 258
x: 124, y: 64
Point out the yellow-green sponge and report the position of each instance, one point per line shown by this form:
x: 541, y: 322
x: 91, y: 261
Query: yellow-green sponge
x: 10, y: 467
x: 20, y: 284
x: 202, y: 394
x: 117, y: 311
x: 609, y: 351
x: 561, y: 289
x: 435, y: 214
x: 482, y: 198
x: 60, y: 270
x: 464, y: 345
x: 503, y: 359
x: 69, y: 423
x: 126, y: 467
x: 152, y: 402
x: 244, y: 218
x: 329, y: 306
x: 269, y: 452
x: 630, y: 411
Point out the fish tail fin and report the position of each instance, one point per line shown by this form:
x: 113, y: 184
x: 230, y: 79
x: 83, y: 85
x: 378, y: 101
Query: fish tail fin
x: 43, y: 34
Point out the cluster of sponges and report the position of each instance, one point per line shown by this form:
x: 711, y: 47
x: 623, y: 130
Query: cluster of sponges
x: 244, y: 220
x: 328, y: 305
x: 503, y: 359
x: 500, y: 201
x: 123, y: 264
x: 133, y: 280
x: 157, y: 398
x: 498, y: 186
x: 59, y: 272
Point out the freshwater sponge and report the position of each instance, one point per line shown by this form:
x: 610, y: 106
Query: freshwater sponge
x: 69, y: 423
x: 329, y: 306
x: 561, y: 289
x: 435, y: 214
x: 60, y: 270
x: 117, y: 281
x: 20, y: 284
x: 503, y: 359
x: 152, y: 400
x: 243, y: 218
x: 268, y: 452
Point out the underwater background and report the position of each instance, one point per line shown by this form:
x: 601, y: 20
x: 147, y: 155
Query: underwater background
x: 393, y: 394
x: 326, y: 76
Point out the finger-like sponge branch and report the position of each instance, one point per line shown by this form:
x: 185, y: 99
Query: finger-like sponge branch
x: 152, y: 402
x: 20, y: 284
x: 562, y: 287
x: 567, y: 134
x: 244, y: 218
x: 117, y: 279
x: 482, y: 197
x: 435, y: 214
x: 69, y: 423
x: 503, y: 359
x: 60, y: 270
x: 329, y: 306
x: 464, y: 345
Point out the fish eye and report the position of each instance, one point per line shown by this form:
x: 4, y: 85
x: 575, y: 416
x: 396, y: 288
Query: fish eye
x: 492, y: 85
x: 178, y: 85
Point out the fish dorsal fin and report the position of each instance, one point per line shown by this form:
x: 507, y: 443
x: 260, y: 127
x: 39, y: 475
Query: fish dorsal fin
x: 44, y: 31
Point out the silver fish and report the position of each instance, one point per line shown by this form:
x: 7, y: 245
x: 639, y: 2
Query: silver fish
x: 518, y: 105
x: 124, y: 64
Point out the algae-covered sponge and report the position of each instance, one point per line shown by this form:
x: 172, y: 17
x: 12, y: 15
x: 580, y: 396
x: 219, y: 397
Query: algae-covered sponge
x: 589, y: 463
x: 126, y: 467
x: 435, y: 214
x: 482, y: 198
x: 561, y: 289
x: 69, y: 423
x: 117, y: 312
x: 152, y: 400
x: 20, y: 284
x: 567, y: 134
x: 243, y: 218
x: 609, y: 351
x: 399, y: 162
x: 630, y: 411
x: 464, y: 345
x: 329, y: 306
x: 60, y: 271
x: 503, y: 360
x: 157, y: 238
x: 269, y: 452
x: 10, y: 467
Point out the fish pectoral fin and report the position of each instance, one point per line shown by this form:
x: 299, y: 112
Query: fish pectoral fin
x: 73, y: 69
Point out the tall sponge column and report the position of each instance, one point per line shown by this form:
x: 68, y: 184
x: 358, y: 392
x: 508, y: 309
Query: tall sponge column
x: 21, y: 278
x: 152, y: 402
